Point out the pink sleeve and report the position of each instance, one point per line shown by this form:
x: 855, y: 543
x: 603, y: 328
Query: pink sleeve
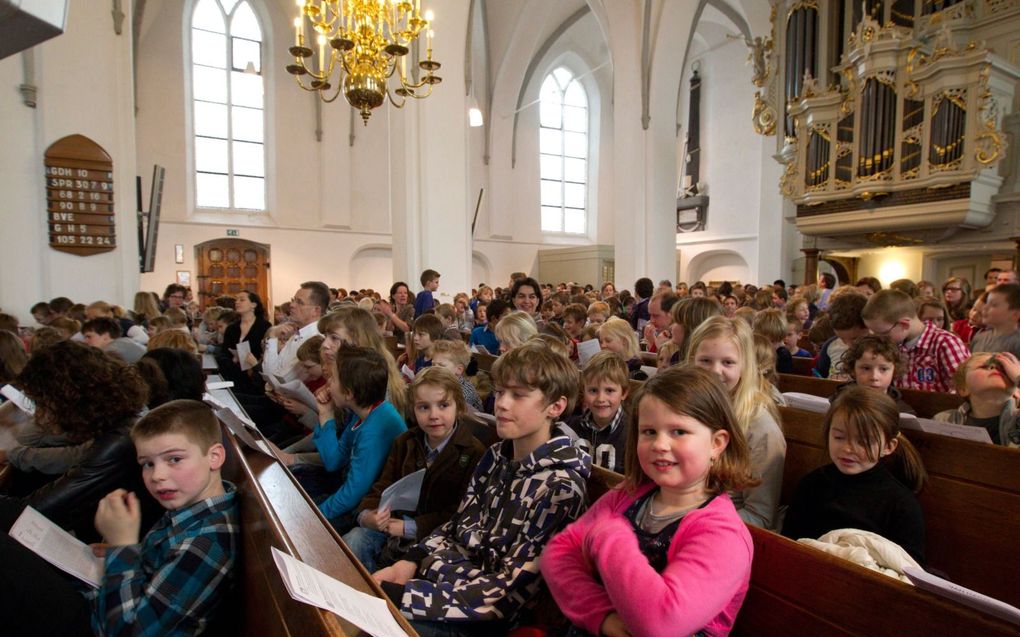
x: 708, y: 565
x: 571, y: 576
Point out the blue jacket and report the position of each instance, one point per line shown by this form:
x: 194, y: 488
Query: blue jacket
x: 423, y: 302
x: 485, y: 337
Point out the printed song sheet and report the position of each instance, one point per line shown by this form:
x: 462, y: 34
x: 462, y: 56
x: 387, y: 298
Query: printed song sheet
x: 967, y: 597
x: 58, y: 547
x: 966, y: 432
x: 311, y: 586
x: 243, y: 349
x: 403, y: 494
x: 587, y: 349
x: 23, y: 402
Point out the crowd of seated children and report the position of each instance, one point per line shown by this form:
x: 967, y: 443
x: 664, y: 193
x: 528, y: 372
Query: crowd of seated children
x: 988, y: 383
x: 128, y: 328
x: 772, y: 325
x: 80, y: 395
x: 474, y: 574
x: 172, y: 580
x: 428, y: 329
x: 725, y: 347
x: 1001, y: 317
x: 931, y: 355
x: 352, y: 452
x: 514, y: 329
x: 441, y: 445
x: 601, y: 428
x: 616, y: 336
x: 599, y: 312
x: 104, y: 332
x: 874, y: 362
x: 455, y: 357
x: 424, y: 301
x: 871, y: 482
x: 665, y: 553
x: 844, y: 318
x: 798, y: 310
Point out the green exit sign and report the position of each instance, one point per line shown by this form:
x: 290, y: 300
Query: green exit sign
x: 232, y: 232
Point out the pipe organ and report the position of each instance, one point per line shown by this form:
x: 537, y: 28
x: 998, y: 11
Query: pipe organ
x: 895, y: 126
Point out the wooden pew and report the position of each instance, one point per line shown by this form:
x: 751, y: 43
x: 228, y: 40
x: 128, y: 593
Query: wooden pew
x: 276, y: 512
x: 799, y: 591
x: 802, y: 365
x: 925, y: 403
x: 484, y: 361
x: 971, y: 503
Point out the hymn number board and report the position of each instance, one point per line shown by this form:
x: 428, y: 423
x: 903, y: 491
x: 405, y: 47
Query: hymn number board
x: 79, y: 196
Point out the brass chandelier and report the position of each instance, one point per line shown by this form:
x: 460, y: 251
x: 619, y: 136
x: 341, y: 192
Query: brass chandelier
x: 366, y: 42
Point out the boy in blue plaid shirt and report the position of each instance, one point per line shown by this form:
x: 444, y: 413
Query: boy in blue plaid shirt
x: 169, y: 583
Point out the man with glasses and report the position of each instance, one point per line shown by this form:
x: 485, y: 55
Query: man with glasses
x: 310, y: 303
x: 932, y: 354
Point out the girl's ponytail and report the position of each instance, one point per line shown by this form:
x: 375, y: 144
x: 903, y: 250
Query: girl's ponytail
x: 905, y: 463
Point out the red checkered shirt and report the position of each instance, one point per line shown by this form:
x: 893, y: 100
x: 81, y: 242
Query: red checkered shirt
x: 932, y: 361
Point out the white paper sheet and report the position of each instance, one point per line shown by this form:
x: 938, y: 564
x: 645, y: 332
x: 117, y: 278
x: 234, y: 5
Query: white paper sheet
x: 271, y: 356
x: 965, y: 596
x: 58, y: 547
x: 209, y: 362
x: 219, y: 384
x: 965, y: 432
x: 296, y: 390
x: 587, y: 349
x: 212, y: 401
x: 403, y: 494
x: 649, y: 370
x: 311, y: 586
x: 406, y: 371
x: 807, y: 402
x: 238, y: 428
x: 243, y: 349
x: 23, y: 402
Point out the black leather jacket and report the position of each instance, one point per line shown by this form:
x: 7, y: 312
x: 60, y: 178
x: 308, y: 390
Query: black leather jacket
x: 71, y: 500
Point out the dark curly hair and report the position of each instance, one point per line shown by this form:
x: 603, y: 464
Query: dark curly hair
x: 171, y: 374
x: 81, y: 391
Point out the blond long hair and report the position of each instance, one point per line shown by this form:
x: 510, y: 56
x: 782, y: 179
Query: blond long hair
x: 747, y: 396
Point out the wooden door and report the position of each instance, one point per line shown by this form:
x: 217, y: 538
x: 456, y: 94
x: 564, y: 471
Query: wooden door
x: 228, y: 266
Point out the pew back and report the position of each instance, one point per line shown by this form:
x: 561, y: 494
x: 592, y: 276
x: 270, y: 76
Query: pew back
x: 971, y: 502
x: 276, y: 512
x: 925, y: 403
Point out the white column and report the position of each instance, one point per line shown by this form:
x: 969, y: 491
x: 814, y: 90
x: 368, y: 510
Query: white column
x: 431, y: 211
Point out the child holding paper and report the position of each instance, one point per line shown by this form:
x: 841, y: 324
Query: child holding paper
x: 170, y: 582
x: 447, y: 451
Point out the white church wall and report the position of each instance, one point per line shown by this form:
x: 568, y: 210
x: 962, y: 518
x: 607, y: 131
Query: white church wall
x: 84, y: 87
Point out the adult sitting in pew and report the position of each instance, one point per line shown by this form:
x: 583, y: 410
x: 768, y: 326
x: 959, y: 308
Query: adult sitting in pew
x: 442, y: 446
x: 84, y: 395
x: 170, y: 581
x: 666, y: 553
x: 988, y: 383
x: 871, y: 482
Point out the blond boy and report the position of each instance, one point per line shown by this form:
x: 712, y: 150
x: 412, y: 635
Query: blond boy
x: 455, y: 356
x: 988, y: 382
x: 602, y: 428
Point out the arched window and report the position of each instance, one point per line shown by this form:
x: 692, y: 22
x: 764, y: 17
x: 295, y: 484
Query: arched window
x: 563, y: 148
x: 228, y: 132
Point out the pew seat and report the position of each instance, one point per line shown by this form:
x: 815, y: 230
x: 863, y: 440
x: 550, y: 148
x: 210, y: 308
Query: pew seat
x: 970, y: 503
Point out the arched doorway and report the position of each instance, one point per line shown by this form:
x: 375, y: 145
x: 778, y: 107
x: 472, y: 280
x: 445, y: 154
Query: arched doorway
x: 228, y: 266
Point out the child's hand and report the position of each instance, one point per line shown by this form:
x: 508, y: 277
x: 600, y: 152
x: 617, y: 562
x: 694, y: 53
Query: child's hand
x: 382, y: 519
x: 286, y: 458
x: 1010, y: 365
x: 119, y: 518
x: 399, y: 573
x: 369, y: 520
x: 295, y: 407
x: 612, y: 626
x: 395, y: 528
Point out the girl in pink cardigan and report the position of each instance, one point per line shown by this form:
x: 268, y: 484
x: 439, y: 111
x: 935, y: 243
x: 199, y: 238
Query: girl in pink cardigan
x: 664, y: 554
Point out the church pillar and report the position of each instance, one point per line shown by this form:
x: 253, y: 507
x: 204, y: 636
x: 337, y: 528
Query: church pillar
x: 429, y: 203
x: 1016, y: 253
x: 810, y: 265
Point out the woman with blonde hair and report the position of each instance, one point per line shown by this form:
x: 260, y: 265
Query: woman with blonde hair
x: 145, y: 308
x: 514, y: 329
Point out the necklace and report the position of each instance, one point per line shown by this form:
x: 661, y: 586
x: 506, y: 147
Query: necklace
x: 671, y: 515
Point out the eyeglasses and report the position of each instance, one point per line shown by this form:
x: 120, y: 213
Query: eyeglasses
x: 885, y: 332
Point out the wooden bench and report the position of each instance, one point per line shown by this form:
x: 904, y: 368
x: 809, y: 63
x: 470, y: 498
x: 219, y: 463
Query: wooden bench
x: 925, y: 403
x: 971, y: 503
x: 802, y: 366
x: 798, y: 591
x: 276, y: 512
x: 484, y: 361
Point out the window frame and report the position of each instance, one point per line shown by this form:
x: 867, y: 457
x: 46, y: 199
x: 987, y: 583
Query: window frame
x: 563, y: 157
x: 231, y: 210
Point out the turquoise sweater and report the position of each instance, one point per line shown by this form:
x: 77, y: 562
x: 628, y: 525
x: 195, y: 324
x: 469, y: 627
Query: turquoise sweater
x: 362, y: 449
